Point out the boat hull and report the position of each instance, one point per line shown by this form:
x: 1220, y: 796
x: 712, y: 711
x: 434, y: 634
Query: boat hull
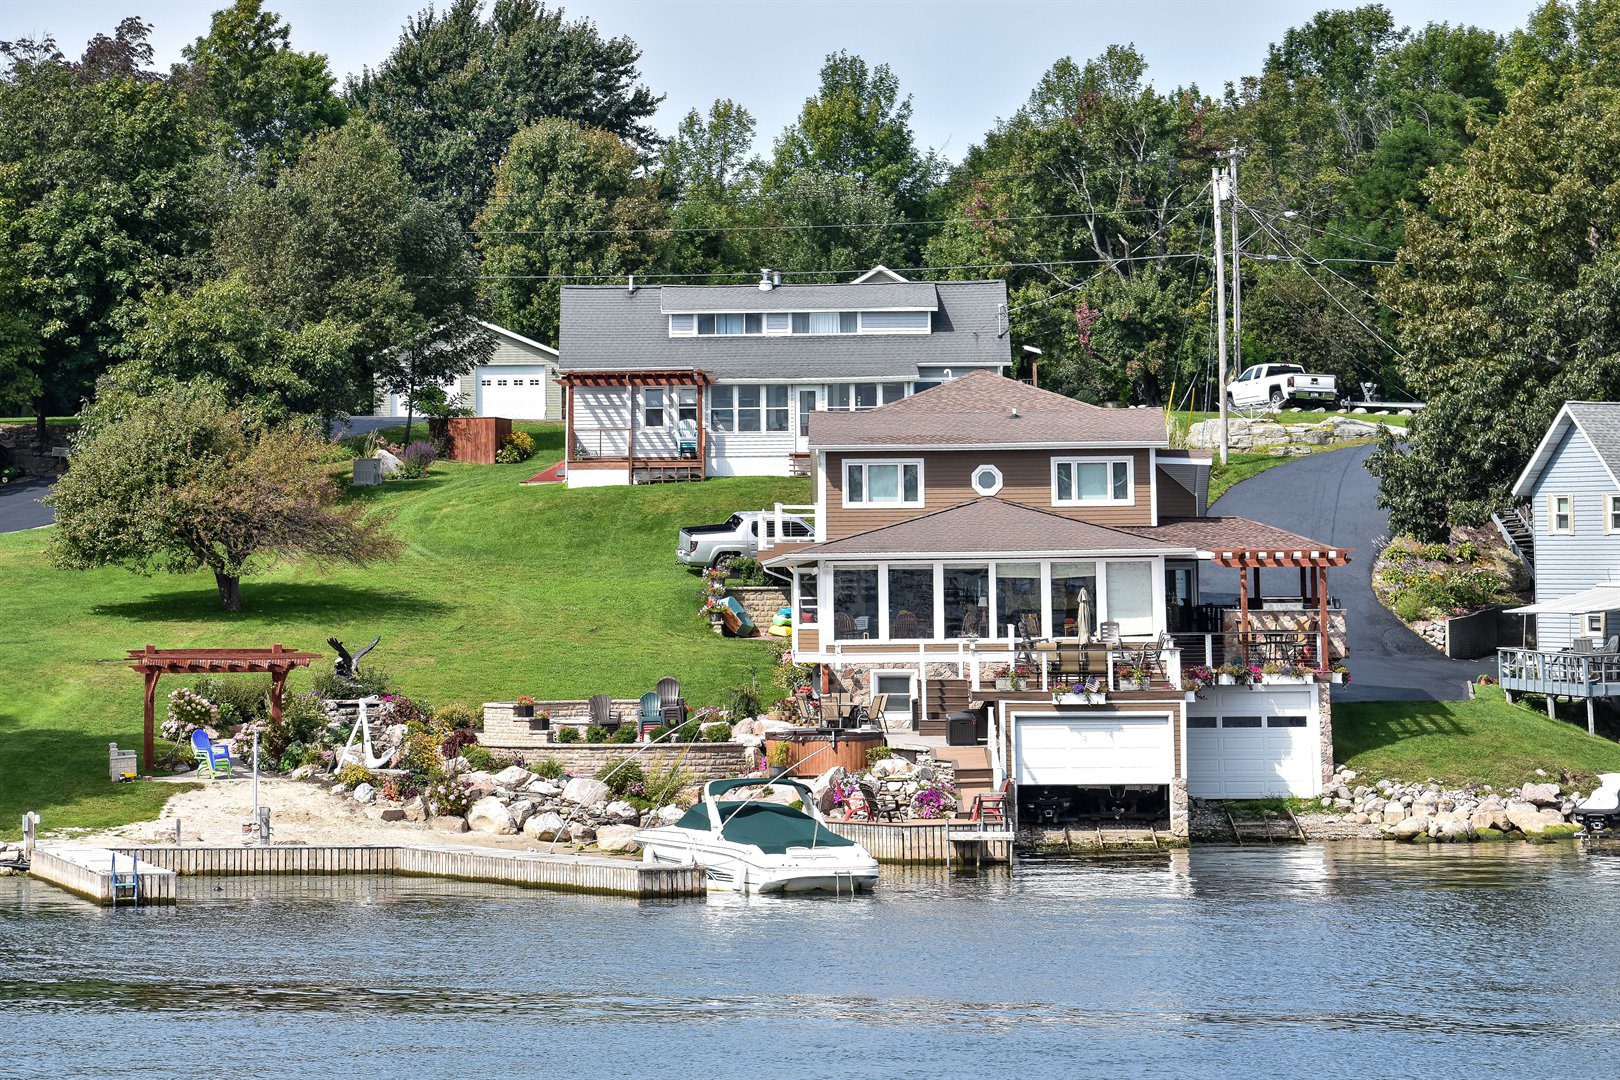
x: 736, y: 868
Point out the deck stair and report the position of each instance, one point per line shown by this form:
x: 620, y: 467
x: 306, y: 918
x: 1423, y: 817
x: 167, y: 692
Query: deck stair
x: 944, y: 696
x: 1518, y: 530
x: 1269, y: 828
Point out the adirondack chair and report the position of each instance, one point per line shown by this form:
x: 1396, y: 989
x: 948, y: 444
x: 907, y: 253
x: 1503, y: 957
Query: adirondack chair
x: 215, y: 756
x: 992, y: 807
x: 650, y: 715
x: 686, y: 443
x: 670, y: 703
x: 600, y: 707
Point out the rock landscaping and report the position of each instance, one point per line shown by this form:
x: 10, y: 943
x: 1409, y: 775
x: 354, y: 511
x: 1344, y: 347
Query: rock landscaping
x: 1427, y: 812
x: 1247, y: 434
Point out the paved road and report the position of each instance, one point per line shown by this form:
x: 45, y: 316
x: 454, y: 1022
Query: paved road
x: 20, y: 507
x: 1330, y: 497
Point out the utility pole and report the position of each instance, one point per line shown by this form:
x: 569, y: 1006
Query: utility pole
x: 1217, y: 181
x: 1237, y: 275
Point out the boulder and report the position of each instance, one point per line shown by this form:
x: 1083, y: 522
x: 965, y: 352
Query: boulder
x: 415, y: 810
x: 390, y: 464
x: 581, y: 834
x: 772, y: 727
x: 513, y: 776
x: 1408, y: 828
x: 393, y: 813
x: 521, y: 810
x: 488, y: 815
x: 543, y: 826
x: 448, y: 823
x: 1540, y: 794
x: 669, y: 815
x: 823, y: 786
x: 617, y: 838
x: 545, y: 788
x: 621, y: 812
x: 583, y: 791
x: 1394, y: 814
x: 1481, y: 820
x: 891, y: 767
x: 1531, y: 819
x: 303, y: 772
x: 365, y: 794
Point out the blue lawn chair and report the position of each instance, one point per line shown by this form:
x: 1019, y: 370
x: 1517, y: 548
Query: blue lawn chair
x: 650, y: 715
x: 217, y: 756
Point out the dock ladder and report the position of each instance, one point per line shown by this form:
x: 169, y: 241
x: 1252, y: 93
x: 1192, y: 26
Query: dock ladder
x: 126, y: 886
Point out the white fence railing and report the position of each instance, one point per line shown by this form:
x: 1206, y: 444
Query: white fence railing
x: 781, y: 525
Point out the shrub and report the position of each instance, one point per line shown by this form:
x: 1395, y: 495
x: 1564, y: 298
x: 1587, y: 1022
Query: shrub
x: 625, y: 734
x: 621, y: 774
x: 746, y: 571
x: 456, y: 716
x: 188, y: 710
x: 373, y: 679
x: 516, y: 447
x: 568, y: 735
x: 241, y: 699
x: 457, y: 743
x: 715, y: 733
x: 875, y: 754
x: 547, y: 768
x: 654, y: 734
x: 445, y: 795
x: 420, y: 757
x: 399, y: 709
x: 479, y: 757
x: 417, y: 458
x: 745, y: 701
x: 662, y: 785
x: 780, y: 756
x: 688, y: 732
x: 596, y: 733
x: 352, y: 775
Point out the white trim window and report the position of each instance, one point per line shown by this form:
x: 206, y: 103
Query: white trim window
x: 1093, y: 481
x: 883, y: 482
x: 855, y: 397
x: 1561, y: 515
x: 748, y: 407
x: 652, y: 407
x: 1611, y: 513
x: 1594, y: 624
x: 986, y: 480
x: 685, y: 404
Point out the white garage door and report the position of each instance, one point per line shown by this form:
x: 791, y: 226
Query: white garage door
x: 1092, y: 751
x: 515, y: 391
x: 1244, y: 744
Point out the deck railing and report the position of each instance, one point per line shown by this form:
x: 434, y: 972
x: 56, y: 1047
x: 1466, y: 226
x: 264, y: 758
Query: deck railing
x: 1570, y: 674
x: 779, y: 529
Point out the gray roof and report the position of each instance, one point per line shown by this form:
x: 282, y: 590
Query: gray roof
x: 986, y: 526
x: 1599, y: 421
x: 609, y: 328
x: 873, y: 296
x: 984, y: 408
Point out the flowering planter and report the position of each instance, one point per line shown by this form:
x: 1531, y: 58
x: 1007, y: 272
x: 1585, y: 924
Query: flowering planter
x: 523, y: 712
x: 1130, y: 684
x: 1069, y: 699
x: 1004, y: 684
x: 1286, y: 680
x: 1225, y: 680
x: 1096, y: 698
x: 1337, y: 678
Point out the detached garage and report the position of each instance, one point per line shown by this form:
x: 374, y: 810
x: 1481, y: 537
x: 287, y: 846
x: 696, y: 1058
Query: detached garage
x: 518, y: 381
x: 1254, y: 744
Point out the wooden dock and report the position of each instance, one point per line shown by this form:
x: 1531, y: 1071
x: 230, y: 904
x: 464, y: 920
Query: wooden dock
x: 101, y: 875
x: 562, y: 872
x: 942, y: 842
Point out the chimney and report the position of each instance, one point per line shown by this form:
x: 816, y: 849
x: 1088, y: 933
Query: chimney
x: 766, y: 281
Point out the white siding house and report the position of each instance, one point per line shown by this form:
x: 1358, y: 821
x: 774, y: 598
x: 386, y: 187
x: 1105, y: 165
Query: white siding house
x: 1573, y: 498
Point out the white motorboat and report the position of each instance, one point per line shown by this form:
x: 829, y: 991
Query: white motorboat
x: 751, y: 845
x: 1599, y: 812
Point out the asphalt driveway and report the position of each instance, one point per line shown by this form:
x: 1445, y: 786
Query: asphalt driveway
x: 1331, y: 497
x: 20, y: 507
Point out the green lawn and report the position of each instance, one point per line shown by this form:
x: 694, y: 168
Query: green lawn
x: 1484, y: 741
x: 502, y: 590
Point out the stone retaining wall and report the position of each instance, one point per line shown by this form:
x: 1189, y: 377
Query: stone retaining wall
x: 762, y: 602
x: 705, y: 761
x: 501, y: 727
x: 17, y: 447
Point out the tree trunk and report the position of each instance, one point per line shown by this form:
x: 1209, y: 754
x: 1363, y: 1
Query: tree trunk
x: 410, y: 414
x: 41, y: 431
x: 230, y: 592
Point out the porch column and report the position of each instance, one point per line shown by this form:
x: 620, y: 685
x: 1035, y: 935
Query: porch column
x: 630, y: 446
x: 1243, y: 611
x: 1324, y: 658
x: 702, y: 434
x: 568, y: 425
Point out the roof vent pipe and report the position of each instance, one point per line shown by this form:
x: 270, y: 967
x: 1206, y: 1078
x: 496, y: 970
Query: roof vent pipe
x: 631, y: 287
x: 1014, y: 414
x: 776, y: 278
x: 765, y: 283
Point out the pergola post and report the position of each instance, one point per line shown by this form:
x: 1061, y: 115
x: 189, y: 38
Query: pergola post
x: 1243, y: 611
x: 1324, y: 658
x: 148, y: 742
x: 702, y: 434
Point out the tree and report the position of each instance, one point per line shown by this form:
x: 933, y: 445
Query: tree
x: 268, y: 100
x: 97, y: 206
x: 567, y: 203
x: 456, y: 89
x: 856, y: 125
x: 711, y: 185
x: 176, y: 480
x: 1507, y: 286
x: 320, y: 295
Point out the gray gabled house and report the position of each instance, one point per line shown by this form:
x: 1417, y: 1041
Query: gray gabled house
x: 1572, y: 488
x: 688, y: 381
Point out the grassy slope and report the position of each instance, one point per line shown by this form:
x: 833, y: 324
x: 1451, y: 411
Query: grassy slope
x: 503, y: 590
x: 1456, y: 742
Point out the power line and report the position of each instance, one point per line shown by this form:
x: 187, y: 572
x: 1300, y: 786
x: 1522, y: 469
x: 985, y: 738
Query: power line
x: 750, y: 275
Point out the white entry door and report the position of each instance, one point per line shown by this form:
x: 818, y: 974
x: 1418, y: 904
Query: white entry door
x: 809, y: 400
x: 1093, y: 750
x: 1249, y: 744
x: 515, y: 391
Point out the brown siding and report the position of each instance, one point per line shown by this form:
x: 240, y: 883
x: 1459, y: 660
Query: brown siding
x: 1026, y: 478
x: 1175, y: 500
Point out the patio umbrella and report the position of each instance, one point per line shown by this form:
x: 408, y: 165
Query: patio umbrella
x: 1083, y: 617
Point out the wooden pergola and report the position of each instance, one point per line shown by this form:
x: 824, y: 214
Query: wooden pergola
x: 631, y: 382
x: 153, y: 663
x: 1312, y: 564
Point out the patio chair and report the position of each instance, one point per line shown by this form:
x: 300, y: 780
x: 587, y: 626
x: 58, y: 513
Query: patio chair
x: 873, y: 713
x: 216, y: 756
x: 686, y: 434
x: 991, y: 807
x: 972, y: 623
x: 650, y: 714
x: 844, y: 625
x: 670, y: 703
x: 905, y: 626
x: 600, y: 708
x: 1108, y: 633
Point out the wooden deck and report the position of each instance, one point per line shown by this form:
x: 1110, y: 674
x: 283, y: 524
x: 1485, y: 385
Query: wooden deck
x: 923, y: 842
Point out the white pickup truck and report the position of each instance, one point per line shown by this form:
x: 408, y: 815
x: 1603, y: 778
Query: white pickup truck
x: 1278, y: 384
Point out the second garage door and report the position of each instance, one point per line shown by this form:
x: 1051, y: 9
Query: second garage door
x: 1254, y: 746
x: 1093, y: 751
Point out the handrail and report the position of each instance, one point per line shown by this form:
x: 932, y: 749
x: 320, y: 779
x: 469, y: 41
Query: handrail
x: 1555, y: 666
x: 775, y: 520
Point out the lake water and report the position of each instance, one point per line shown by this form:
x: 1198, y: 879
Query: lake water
x: 1347, y: 959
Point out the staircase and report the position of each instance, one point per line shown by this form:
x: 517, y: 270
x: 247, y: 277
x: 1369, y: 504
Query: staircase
x: 944, y: 696
x: 1518, y: 530
x: 973, y: 776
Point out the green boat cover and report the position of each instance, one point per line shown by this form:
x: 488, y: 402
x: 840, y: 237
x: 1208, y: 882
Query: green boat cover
x: 771, y: 827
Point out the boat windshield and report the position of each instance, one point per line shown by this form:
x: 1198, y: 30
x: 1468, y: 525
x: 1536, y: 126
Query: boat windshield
x: 771, y: 827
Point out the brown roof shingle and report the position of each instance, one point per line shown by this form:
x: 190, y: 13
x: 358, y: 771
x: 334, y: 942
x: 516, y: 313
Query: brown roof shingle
x: 1219, y: 534
x: 987, y: 526
x: 986, y: 409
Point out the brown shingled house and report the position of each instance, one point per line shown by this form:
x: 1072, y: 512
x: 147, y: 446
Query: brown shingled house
x: 986, y: 524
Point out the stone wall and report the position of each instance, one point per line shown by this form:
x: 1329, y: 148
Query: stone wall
x: 762, y: 602
x: 1246, y: 434
x: 705, y: 761
x: 501, y: 728
x: 17, y: 447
